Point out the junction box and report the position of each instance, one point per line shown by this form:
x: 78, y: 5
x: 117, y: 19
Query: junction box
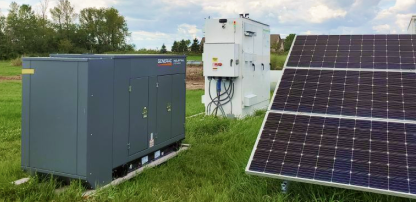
x: 236, y: 63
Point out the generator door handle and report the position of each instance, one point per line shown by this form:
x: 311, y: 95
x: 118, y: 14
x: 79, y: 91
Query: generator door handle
x: 144, y: 113
x: 254, y: 66
x: 262, y: 65
x: 231, y: 62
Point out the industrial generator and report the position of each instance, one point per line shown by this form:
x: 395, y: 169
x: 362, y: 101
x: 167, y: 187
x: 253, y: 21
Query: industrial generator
x: 98, y: 117
x: 236, y: 63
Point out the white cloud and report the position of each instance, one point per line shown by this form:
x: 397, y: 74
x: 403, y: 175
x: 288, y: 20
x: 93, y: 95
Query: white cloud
x: 186, y: 31
x: 382, y: 28
x: 155, y: 22
x: 322, y: 13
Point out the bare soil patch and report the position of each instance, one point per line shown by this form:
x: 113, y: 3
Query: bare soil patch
x: 10, y: 78
x: 194, y: 77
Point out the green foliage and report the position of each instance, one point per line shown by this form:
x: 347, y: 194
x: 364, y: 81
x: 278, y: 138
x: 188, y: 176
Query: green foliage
x: 22, y: 32
x: 17, y: 62
x: 278, y: 60
x: 288, y: 42
x: 107, y: 29
x: 163, y: 49
x: 183, y: 46
x: 65, y: 46
x: 175, y: 47
x: 195, y: 47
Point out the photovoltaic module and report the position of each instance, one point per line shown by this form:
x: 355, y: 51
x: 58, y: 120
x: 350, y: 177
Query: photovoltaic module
x: 344, y: 115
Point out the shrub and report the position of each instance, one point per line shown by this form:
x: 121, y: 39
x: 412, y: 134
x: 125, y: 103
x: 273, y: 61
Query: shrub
x: 17, y: 62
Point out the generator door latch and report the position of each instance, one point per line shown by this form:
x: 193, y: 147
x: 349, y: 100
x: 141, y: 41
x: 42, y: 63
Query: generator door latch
x: 169, y: 107
x: 144, y: 113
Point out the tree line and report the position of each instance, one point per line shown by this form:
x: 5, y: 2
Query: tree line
x: 184, y: 46
x: 94, y: 30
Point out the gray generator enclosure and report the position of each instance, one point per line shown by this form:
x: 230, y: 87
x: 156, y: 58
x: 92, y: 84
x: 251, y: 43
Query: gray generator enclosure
x: 85, y: 116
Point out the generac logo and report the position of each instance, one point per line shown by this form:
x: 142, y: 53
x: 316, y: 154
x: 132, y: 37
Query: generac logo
x: 164, y: 62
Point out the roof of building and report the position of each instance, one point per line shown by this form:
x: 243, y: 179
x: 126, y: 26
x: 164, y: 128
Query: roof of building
x: 412, y: 18
x: 275, y: 37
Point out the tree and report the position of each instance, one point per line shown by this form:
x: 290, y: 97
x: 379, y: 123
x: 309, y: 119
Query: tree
x: 187, y: 42
x: 163, y: 49
x: 288, y: 41
x: 21, y: 29
x: 175, y: 47
x: 183, y: 47
x: 107, y: 29
x: 4, y: 45
x: 43, y: 9
x: 195, y: 46
x: 63, y: 14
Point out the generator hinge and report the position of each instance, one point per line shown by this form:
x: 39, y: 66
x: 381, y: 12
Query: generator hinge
x: 128, y: 146
x: 129, y: 88
x: 157, y: 85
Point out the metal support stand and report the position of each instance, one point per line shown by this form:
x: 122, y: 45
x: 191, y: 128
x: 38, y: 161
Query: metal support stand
x: 285, y: 186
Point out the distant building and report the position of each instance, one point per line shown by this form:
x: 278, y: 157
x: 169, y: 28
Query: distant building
x: 412, y: 25
x: 276, y: 43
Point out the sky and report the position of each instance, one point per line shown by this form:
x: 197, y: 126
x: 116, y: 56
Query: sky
x: 156, y: 22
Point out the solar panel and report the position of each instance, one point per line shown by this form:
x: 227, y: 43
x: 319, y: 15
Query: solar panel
x: 350, y: 93
x: 358, y: 51
x: 344, y: 115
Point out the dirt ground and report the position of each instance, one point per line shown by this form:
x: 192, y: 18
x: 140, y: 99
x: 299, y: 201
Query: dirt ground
x: 194, y: 78
x: 10, y: 78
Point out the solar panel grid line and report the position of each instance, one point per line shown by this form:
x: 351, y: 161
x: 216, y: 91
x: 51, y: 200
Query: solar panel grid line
x: 392, y: 109
x: 355, y: 69
x: 343, y: 127
x: 320, y: 143
x: 406, y: 142
x: 289, y: 136
x: 348, y: 127
x: 304, y: 143
x: 367, y: 52
x: 371, y: 151
x: 343, y: 117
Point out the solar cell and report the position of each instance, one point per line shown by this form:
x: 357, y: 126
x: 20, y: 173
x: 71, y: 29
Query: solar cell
x: 368, y: 154
x: 358, y: 51
x: 344, y: 114
x: 351, y: 93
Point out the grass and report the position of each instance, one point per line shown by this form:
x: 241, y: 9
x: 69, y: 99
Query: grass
x: 7, y: 69
x: 211, y: 170
x: 193, y: 102
x: 278, y: 60
x: 194, y: 57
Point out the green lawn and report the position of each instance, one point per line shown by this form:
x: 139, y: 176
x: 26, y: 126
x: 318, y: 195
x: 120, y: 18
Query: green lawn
x: 194, y: 57
x: 6, y: 69
x: 211, y: 170
x: 278, y: 60
x: 193, y: 102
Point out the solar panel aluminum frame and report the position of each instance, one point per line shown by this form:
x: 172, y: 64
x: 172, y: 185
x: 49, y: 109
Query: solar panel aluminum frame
x: 319, y: 182
x: 312, y: 181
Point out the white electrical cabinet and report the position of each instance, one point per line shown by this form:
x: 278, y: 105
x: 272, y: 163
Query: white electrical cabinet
x: 236, y: 63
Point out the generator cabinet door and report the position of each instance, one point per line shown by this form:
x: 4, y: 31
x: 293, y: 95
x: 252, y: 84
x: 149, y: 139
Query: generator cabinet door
x: 164, y: 109
x: 178, y: 104
x: 139, y: 106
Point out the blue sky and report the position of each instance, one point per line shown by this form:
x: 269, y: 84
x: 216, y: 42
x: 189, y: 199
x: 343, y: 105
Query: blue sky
x: 154, y: 22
